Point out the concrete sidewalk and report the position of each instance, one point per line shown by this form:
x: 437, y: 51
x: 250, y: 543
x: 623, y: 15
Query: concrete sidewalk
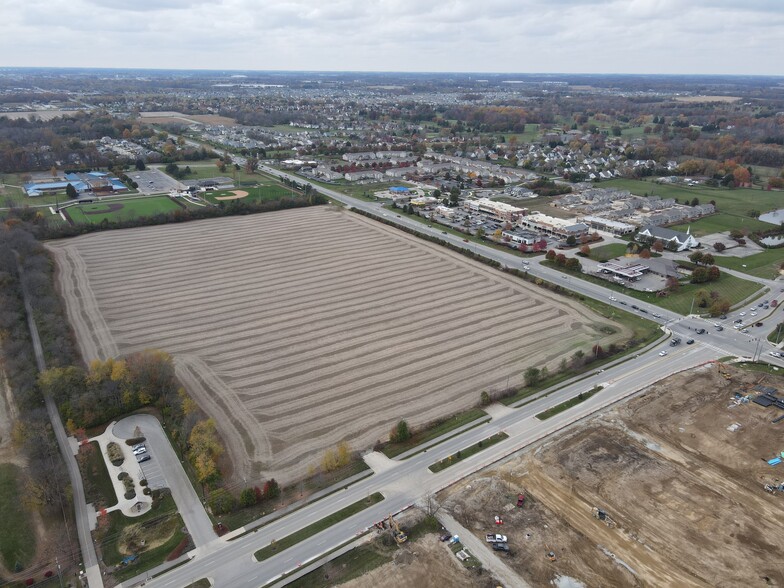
x: 130, y: 507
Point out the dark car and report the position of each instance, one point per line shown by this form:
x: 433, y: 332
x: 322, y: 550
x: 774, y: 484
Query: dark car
x: 143, y: 457
x: 700, y: 331
x: 501, y: 547
x: 719, y: 328
x: 689, y: 341
x: 445, y: 537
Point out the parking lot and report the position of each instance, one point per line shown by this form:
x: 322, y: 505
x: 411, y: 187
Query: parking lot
x: 154, y: 181
x: 152, y: 470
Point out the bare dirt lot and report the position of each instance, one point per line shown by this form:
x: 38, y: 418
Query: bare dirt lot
x: 428, y: 563
x: 298, y: 329
x: 170, y: 117
x: 685, y: 493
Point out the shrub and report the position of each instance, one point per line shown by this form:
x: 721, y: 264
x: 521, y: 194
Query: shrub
x: 147, y: 491
x: 115, y: 454
x: 400, y: 432
x: 143, y: 482
x: 135, y: 441
x: 271, y: 489
x: 122, y: 476
x: 221, y: 502
x: 247, y: 497
x: 130, y: 494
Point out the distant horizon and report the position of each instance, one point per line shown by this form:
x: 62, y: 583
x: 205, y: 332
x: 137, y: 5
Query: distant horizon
x: 385, y: 72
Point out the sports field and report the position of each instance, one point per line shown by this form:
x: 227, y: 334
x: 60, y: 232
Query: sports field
x: 269, y: 191
x: 117, y: 210
x: 300, y: 328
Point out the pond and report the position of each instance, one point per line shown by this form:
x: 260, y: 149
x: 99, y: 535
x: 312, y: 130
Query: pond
x: 773, y: 241
x: 774, y: 217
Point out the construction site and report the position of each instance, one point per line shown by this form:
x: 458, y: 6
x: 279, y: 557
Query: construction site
x: 683, y: 485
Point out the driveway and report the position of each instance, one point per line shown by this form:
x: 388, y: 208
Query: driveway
x: 170, y: 468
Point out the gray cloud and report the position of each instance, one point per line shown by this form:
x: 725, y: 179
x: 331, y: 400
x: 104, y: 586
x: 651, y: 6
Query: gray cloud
x: 634, y: 36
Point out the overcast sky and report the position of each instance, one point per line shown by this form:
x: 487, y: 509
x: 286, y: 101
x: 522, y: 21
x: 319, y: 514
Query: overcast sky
x: 571, y: 36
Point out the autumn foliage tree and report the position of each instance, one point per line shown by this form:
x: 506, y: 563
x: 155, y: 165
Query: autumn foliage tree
x: 204, y: 450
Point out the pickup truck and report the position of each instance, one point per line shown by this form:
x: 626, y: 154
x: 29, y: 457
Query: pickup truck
x: 495, y: 538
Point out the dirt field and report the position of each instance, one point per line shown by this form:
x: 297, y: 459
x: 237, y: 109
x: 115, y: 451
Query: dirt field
x: 685, y: 493
x: 236, y: 195
x: 298, y: 329
x: 428, y: 563
x: 178, y: 117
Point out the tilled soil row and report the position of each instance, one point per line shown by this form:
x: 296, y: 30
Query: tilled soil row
x: 298, y: 329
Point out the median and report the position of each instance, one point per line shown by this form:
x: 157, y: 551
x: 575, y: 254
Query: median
x: 467, y: 452
x: 276, y: 547
x: 559, y: 408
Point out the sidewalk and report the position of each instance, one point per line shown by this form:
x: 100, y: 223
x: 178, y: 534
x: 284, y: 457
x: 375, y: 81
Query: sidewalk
x: 130, y: 507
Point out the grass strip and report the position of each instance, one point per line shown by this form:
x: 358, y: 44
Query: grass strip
x: 202, y: 583
x: 17, y: 540
x: 433, y: 430
x: 307, y: 532
x: 467, y: 452
x: 98, y: 486
x: 559, y: 408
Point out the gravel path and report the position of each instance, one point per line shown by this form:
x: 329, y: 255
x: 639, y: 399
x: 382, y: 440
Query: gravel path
x: 298, y: 329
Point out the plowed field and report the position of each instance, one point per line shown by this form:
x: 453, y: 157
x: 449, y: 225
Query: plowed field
x: 298, y: 329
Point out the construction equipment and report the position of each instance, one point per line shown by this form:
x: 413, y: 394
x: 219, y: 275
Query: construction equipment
x: 723, y: 371
x: 550, y: 553
x: 602, y: 515
x: 400, y: 536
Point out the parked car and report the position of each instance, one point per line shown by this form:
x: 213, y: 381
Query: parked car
x: 137, y: 446
x: 719, y: 328
x: 700, y: 331
x: 446, y: 537
x: 662, y: 353
x: 143, y: 457
x: 501, y: 547
x: 139, y: 451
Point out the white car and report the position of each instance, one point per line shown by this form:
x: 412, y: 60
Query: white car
x: 140, y: 451
x: 662, y: 353
x: 775, y: 354
x: 743, y: 314
x: 753, y: 314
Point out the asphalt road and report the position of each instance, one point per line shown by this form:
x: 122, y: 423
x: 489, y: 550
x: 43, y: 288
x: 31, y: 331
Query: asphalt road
x: 231, y: 564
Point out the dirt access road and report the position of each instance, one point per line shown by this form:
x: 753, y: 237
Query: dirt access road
x: 685, y: 492
x: 298, y: 329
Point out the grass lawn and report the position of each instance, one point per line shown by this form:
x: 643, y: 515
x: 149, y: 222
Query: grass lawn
x: 720, y: 223
x: 609, y: 251
x: 434, y: 430
x: 764, y: 264
x: 161, y: 525
x: 97, y: 483
x: 317, y: 527
x: 559, y: 408
x: 121, y: 209
x: 737, y: 202
x: 201, y: 170
x: 203, y: 583
x: 467, y: 452
x: 17, y: 539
